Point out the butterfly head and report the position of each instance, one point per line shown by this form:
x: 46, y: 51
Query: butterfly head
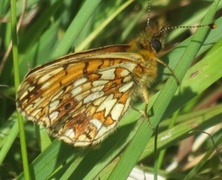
x: 150, y: 39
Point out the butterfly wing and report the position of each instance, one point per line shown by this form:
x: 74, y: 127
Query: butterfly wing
x: 80, y: 99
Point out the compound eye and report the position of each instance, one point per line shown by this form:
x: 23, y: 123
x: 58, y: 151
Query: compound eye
x: 156, y: 44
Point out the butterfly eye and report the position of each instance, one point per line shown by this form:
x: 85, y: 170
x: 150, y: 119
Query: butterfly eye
x: 156, y: 45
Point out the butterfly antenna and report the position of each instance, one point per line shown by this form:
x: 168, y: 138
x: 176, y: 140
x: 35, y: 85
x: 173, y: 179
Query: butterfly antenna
x: 165, y: 28
x: 148, y: 13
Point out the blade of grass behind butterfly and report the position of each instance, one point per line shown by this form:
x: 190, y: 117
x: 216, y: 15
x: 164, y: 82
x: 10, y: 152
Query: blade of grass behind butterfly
x: 102, y: 26
x: 75, y: 27
x: 38, y: 27
x: 14, y: 36
x: 161, y: 103
x: 6, y: 36
x: 132, y: 24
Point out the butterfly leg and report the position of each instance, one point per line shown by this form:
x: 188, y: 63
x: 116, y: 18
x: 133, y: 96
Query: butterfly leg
x: 171, y: 70
x: 145, y: 112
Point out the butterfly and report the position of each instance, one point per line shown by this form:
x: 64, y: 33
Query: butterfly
x: 81, y: 97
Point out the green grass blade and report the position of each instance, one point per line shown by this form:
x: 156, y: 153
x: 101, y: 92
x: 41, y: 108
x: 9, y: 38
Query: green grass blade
x: 17, y: 81
x: 75, y: 27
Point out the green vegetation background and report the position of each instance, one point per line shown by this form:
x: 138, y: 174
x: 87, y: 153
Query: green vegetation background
x: 50, y: 29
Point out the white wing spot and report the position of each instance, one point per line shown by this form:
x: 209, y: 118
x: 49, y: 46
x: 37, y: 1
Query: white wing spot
x: 126, y: 87
x: 104, y: 130
x: 97, y: 102
x: 80, y: 81
x: 99, y: 83
x: 108, y: 74
x: 96, y: 123
x: 30, y: 106
x: 24, y: 94
x: 81, y: 95
x: 93, y: 96
x: 129, y: 66
x: 107, y: 104
x: 53, y: 115
x: 127, y: 78
x: 117, y: 111
x: 70, y: 133
x: 82, y: 138
x: 35, y: 112
x: 124, y: 73
x: 57, y: 95
x: 76, y: 91
x: 99, y: 88
x: 54, y: 104
x: 127, y: 104
x: 46, y: 85
x: 30, y: 88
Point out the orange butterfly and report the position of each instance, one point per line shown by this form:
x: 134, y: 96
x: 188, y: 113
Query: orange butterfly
x: 81, y: 97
